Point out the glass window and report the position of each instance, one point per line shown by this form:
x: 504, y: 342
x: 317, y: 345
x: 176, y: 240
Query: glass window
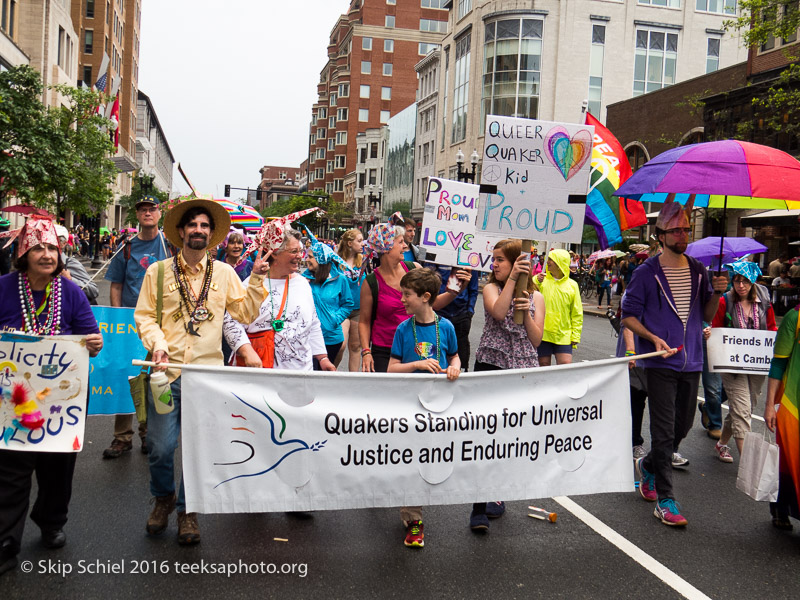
x: 322, y: 113
x: 431, y: 25
x: 386, y: 93
x: 387, y: 68
x: 389, y: 22
x: 391, y: 1
x: 366, y: 67
x: 88, y: 41
x: 341, y: 138
x: 341, y: 114
x: 464, y: 6
x: 424, y: 48
x: 331, y: 144
x: 366, y: 43
x: 712, y: 55
x: 655, y: 60
x: 338, y: 185
x: 388, y: 45
x: 667, y: 3
x: 329, y: 166
x: 596, y: 69
x: 344, y: 90
x: 364, y: 91
x: 363, y: 115
x: 332, y: 122
x: 385, y: 116
x: 432, y: 3
x: 340, y: 161
x: 461, y: 90
x: 373, y: 150
x: 334, y: 98
x: 89, y: 9
x: 721, y: 7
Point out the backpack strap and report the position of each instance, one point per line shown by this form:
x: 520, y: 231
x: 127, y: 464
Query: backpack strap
x: 372, y: 282
x: 160, y: 293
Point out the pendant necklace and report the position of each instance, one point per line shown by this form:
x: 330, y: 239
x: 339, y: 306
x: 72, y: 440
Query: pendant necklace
x: 194, y: 305
x: 278, y: 323
x: 30, y: 314
x: 416, y: 342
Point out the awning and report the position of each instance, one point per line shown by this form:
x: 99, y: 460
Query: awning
x: 772, y: 217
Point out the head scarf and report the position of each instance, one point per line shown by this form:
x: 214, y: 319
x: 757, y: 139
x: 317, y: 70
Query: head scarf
x: 745, y: 268
x: 224, y: 243
x: 37, y: 230
x: 270, y: 236
x: 324, y: 254
x: 673, y: 215
x: 381, y: 239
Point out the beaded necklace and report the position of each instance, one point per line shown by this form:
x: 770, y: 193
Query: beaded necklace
x: 745, y: 321
x: 416, y: 342
x: 30, y: 314
x: 195, y: 305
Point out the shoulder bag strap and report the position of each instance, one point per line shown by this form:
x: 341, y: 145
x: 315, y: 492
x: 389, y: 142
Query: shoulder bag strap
x: 160, y: 295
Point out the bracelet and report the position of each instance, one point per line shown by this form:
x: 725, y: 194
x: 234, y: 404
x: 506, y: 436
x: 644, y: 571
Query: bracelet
x: 512, y: 279
x: 630, y: 353
x: 365, y: 351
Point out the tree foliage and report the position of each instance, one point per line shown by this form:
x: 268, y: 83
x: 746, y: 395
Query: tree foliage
x: 334, y: 211
x: 56, y: 158
x: 139, y: 191
x: 761, y: 20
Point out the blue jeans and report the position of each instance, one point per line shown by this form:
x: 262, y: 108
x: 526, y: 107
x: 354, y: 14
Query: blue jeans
x: 602, y: 289
x: 712, y: 392
x: 162, y: 441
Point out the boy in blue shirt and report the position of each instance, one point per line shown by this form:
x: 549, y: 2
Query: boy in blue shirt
x: 425, y: 343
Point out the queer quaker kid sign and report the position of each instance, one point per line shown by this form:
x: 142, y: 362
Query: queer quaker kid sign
x: 43, y: 385
x: 536, y: 166
x: 268, y: 440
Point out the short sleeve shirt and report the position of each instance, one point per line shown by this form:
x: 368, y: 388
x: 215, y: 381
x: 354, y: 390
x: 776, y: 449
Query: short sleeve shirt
x: 130, y: 273
x: 406, y: 349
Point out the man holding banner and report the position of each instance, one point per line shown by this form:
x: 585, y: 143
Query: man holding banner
x: 669, y: 297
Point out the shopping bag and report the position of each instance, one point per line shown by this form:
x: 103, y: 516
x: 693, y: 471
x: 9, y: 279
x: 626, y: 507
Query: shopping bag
x: 758, y: 468
x: 138, y: 387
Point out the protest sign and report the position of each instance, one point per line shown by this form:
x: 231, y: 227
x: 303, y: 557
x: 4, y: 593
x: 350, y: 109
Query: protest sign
x: 740, y: 350
x: 538, y: 167
x: 269, y: 440
x: 43, y: 383
x: 448, y: 226
x: 110, y: 370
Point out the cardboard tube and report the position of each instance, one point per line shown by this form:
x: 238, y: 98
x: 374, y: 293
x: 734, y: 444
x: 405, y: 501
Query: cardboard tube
x: 522, y: 284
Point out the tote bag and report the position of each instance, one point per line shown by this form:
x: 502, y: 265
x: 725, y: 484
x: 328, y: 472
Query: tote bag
x: 758, y: 468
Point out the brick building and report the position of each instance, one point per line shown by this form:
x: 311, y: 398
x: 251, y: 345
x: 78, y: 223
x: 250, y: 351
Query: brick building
x: 368, y: 78
x: 278, y: 183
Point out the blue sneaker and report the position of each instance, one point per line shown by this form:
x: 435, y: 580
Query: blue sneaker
x: 495, y: 509
x: 647, y: 482
x: 478, y: 522
x: 670, y: 513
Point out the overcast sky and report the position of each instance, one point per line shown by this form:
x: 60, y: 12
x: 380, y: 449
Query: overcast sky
x: 233, y: 83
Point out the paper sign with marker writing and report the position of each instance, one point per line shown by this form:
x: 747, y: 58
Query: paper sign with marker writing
x: 448, y: 226
x: 536, y: 166
x: 746, y: 351
x: 43, y: 384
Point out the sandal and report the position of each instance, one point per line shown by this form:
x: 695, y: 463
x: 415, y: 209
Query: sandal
x: 782, y: 523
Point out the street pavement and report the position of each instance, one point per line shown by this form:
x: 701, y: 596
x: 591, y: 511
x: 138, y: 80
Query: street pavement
x: 602, y: 546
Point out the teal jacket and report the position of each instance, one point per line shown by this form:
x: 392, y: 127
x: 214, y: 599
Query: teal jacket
x: 334, y: 304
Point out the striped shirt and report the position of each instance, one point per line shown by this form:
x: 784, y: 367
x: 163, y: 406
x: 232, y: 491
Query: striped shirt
x: 680, y: 284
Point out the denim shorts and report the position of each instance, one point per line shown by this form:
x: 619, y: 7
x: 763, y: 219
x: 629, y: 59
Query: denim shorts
x: 549, y: 348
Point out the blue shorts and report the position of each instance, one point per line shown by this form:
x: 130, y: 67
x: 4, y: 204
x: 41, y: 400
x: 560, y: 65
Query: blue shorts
x: 549, y: 348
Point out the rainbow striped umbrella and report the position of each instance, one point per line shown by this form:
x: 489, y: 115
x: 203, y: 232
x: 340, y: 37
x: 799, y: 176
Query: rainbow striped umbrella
x: 242, y: 214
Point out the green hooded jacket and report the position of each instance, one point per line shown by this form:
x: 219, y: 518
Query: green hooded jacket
x: 563, y: 318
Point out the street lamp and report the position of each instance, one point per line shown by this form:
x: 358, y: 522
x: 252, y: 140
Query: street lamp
x: 473, y: 159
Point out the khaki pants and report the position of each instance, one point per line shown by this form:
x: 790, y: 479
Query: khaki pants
x: 743, y: 392
x: 410, y: 513
x: 123, y: 428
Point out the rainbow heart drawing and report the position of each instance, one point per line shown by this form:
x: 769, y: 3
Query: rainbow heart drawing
x: 567, y: 154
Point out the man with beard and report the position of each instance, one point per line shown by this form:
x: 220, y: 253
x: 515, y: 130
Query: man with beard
x: 669, y: 297
x: 196, y: 293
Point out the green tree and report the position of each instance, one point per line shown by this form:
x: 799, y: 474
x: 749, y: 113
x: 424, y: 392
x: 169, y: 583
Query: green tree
x: 140, y: 189
x: 404, y: 207
x: 763, y: 20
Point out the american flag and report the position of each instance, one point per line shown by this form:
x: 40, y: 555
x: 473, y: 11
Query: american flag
x: 102, y: 79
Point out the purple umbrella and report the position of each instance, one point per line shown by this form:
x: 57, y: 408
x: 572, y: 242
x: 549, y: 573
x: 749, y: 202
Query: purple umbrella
x: 707, y: 249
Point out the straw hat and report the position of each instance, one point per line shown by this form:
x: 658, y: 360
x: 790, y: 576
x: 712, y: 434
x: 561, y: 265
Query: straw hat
x: 222, y: 220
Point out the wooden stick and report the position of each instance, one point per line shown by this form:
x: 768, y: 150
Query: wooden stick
x: 522, y: 284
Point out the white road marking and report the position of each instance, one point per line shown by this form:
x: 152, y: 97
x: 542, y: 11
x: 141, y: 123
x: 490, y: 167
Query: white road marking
x: 672, y: 579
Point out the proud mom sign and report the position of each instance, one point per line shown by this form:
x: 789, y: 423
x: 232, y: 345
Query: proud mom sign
x: 538, y: 167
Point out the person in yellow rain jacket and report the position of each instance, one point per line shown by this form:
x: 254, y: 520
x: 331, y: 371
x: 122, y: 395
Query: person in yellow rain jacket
x: 563, y: 319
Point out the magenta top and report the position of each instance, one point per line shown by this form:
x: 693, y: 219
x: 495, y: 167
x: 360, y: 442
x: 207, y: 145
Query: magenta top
x: 390, y: 313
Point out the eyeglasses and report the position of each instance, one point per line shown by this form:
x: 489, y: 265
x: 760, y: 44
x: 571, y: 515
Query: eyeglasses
x: 146, y: 209
x: 679, y: 231
x: 296, y: 251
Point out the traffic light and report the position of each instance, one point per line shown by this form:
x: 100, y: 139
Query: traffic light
x: 227, y: 191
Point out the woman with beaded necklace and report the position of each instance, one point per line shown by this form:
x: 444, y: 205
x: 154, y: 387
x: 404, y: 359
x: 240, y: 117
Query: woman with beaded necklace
x: 38, y: 301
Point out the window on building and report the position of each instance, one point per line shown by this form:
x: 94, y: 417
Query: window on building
x: 373, y: 150
x: 596, y: 69
x: 329, y: 166
x: 88, y: 41
x: 333, y: 99
x: 332, y: 122
x: 341, y: 114
x: 712, y: 55
x: 338, y: 185
x: 424, y: 48
x: 89, y: 9
x: 425, y: 155
x: 320, y: 153
x: 322, y: 112
x: 363, y: 115
x: 655, y: 60
x: 344, y: 90
x: 389, y: 22
x: 393, y: 2
x: 62, y: 47
x: 331, y: 144
x: 432, y: 3
x: 464, y: 6
x: 341, y: 161
x: 444, y: 97
x: 636, y: 156
x: 313, y: 139
x: 512, y: 68
x: 362, y: 155
x: 432, y: 25
x: 385, y: 116
x: 366, y: 67
x: 319, y: 173
x: 388, y: 45
x: 373, y: 177
x: 329, y: 188
x: 87, y: 75
x: 720, y: 7
x: 386, y: 93
x: 461, y: 89
x: 667, y: 3
x: 366, y: 43
x: 321, y: 133
x: 364, y: 91
x: 341, y: 138
x: 387, y: 68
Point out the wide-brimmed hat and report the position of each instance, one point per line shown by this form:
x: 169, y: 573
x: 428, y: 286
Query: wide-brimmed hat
x: 222, y: 220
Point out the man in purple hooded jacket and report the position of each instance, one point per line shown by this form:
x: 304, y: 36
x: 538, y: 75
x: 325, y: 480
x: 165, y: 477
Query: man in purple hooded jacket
x: 665, y: 304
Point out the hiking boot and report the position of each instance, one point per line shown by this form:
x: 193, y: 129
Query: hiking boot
x: 714, y: 434
x: 678, y: 461
x: 159, y: 517
x: 415, y: 536
x: 495, y: 509
x: 647, y: 482
x: 724, y: 452
x: 188, y: 529
x: 116, y: 449
x: 704, y: 420
x: 670, y: 513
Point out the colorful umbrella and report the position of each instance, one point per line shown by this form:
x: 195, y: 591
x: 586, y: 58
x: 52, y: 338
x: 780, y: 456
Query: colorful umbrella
x: 600, y: 254
x: 707, y: 249
x: 242, y: 214
x: 27, y: 209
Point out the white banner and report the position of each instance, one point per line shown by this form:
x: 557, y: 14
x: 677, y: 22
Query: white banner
x: 536, y: 166
x: 267, y: 441
x: 740, y: 350
x: 44, y: 386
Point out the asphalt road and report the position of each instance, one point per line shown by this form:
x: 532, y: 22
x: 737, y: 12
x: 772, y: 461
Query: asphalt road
x: 729, y: 549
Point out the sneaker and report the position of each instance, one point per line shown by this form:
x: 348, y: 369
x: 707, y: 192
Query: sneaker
x: 647, y: 482
x: 415, y: 536
x: 670, y: 513
x: 159, y: 517
x: 116, y: 449
x: 495, y: 509
x: 724, y: 452
x: 714, y: 434
x: 639, y: 452
x: 188, y: 529
x: 704, y: 420
x: 145, y: 449
x: 478, y: 521
x: 678, y: 461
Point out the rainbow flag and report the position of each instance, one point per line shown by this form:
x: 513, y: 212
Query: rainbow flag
x: 608, y: 214
x: 787, y: 428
